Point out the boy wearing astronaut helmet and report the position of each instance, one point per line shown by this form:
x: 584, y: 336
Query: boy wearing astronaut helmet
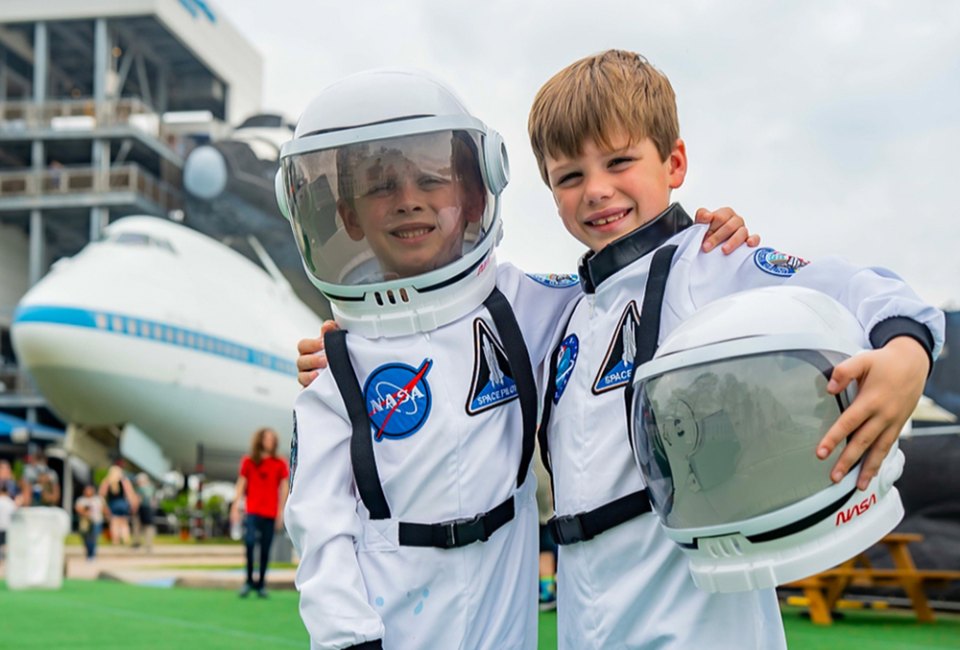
x: 410, y: 502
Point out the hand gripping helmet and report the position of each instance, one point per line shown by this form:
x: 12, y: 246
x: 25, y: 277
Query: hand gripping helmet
x: 393, y: 191
x: 726, y: 421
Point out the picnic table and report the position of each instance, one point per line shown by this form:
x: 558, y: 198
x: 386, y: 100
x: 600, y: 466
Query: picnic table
x: 823, y: 590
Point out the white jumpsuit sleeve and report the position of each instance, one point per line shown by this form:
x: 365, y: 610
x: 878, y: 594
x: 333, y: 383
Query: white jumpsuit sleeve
x: 873, y: 295
x: 321, y: 517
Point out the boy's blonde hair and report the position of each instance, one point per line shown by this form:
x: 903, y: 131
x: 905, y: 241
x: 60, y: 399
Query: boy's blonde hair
x: 597, y: 96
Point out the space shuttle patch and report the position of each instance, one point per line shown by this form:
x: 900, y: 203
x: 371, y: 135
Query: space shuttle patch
x: 617, y: 365
x: 493, y: 383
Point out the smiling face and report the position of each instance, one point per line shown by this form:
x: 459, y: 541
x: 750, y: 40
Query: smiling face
x: 604, y: 193
x: 412, y: 201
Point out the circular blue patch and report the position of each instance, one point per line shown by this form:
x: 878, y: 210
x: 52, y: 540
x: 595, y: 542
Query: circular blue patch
x: 556, y: 280
x: 566, y: 360
x: 398, y: 399
x: 776, y: 263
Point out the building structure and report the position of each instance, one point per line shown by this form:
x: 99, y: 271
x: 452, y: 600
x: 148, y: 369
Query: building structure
x: 100, y: 103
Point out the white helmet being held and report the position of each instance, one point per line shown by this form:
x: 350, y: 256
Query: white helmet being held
x: 393, y: 191
x: 726, y: 421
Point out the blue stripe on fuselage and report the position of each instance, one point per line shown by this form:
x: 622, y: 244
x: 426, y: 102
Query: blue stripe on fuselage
x: 153, y: 331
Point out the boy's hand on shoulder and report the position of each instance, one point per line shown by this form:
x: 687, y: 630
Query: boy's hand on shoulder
x: 891, y: 381
x: 312, y: 358
x: 725, y: 227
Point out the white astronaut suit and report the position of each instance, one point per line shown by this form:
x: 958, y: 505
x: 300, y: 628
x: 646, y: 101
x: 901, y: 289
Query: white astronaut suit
x: 412, y: 503
x: 450, y: 451
x: 629, y: 587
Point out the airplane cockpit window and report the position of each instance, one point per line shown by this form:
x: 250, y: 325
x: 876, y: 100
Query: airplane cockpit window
x: 140, y: 239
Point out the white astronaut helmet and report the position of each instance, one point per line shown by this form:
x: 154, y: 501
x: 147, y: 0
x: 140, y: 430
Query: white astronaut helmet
x: 393, y: 191
x: 726, y: 421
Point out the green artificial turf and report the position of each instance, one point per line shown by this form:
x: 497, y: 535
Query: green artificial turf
x: 872, y: 630
x: 101, y: 615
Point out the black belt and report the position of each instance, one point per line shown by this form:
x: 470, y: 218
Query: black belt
x: 582, y: 526
x: 457, y: 532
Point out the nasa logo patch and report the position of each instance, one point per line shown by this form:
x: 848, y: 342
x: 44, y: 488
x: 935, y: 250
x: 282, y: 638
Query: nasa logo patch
x: 777, y: 263
x: 399, y: 399
x: 566, y: 360
x: 293, y: 450
x: 555, y: 280
x: 493, y: 382
x: 618, y: 364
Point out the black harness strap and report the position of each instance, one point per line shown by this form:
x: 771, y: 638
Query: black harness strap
x: 570, y: 529
x: 519, y: 358
x: 648, y: 330
x: 458, y: 532
x: 582, y: 526
x: 361, y: 442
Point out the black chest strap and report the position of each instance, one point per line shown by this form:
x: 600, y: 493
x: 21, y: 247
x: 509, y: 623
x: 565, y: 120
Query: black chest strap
x: 570, y: 529
x: 455, y: 533
x: 362, y: 458
x: 648, y: 330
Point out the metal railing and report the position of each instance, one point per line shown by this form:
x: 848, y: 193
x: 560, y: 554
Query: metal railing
x: 68, y: 114
x: 66, y: 181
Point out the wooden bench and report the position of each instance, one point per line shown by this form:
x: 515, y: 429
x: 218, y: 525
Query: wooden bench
x: 823, y: 590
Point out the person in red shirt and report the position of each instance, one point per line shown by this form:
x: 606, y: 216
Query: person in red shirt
x: 264, y: 480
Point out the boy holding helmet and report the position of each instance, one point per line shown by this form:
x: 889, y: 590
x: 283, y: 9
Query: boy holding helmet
x: 605, y: 134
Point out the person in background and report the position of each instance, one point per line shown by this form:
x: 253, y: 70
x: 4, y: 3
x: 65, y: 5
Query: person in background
x: 121, y: 501
x: 7, y: 480
x: 39, y: 485
x: 264, y: 479
x: 144, y: 529
x: 7, y: 506
x: 91, y: 508
x: 548, y: 547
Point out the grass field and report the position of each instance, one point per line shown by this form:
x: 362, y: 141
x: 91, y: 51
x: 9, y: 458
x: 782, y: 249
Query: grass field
x: 99, y: 615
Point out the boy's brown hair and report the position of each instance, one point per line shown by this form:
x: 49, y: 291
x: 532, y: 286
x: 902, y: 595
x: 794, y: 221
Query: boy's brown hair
x: 595, y: 97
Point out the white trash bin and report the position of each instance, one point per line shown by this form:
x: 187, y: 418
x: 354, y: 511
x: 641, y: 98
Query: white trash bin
x: 35, y: 543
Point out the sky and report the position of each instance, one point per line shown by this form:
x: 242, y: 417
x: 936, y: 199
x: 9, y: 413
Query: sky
x: 832, y: 127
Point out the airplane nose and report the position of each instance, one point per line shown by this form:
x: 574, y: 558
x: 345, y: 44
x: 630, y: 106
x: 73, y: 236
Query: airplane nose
x: 205, y: 173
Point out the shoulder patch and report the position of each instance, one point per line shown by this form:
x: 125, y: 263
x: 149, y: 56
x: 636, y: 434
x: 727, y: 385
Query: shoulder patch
x: 293, y: 450
x: 776, y: 263
x: 556, y: 280
x: 617, y: 365
x: 399, y: 399
x: 566, y: 361
x: 493, y: 383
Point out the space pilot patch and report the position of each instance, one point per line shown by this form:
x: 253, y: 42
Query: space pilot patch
x: 493, y: 383
x: 566, y: 361
x: 618, y: 364
x: 293, y: 450
x: 398, y: 398
x: 556, y: 280
x: 777, y: 263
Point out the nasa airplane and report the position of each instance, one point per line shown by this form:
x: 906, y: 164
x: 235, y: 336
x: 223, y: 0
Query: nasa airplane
x: 162, y: 327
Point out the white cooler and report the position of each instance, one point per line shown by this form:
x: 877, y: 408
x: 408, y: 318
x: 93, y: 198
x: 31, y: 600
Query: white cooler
x: 35, y: 548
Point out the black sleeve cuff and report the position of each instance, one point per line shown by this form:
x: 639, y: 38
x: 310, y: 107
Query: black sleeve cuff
x: 368, y: 645
x: 886, y: 330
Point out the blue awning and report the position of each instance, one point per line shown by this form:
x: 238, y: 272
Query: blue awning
x: 10, y: 424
